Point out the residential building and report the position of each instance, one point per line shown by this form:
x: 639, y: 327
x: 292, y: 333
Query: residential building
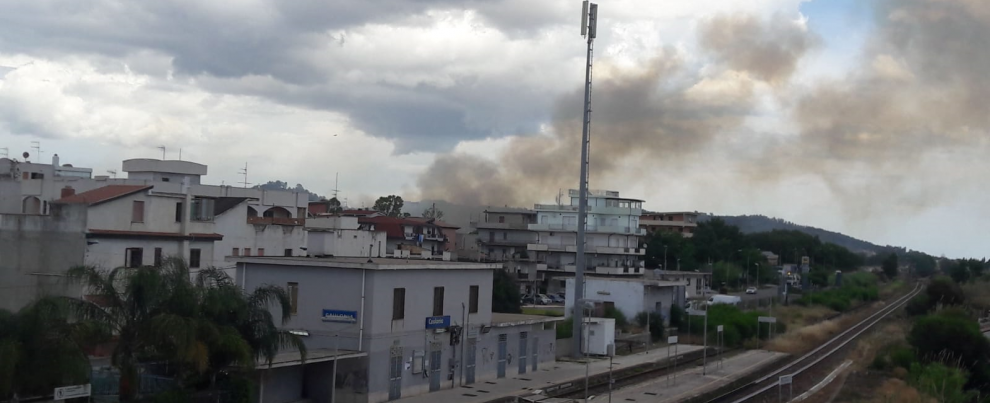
x: 503, y: 235
x: 629, y: 295
x: 449, y: 232
x: 697, y: 284
x: 160, y: 209
x: 683, y: 223
x: 418, y: 237
x: 36, y: 249
x: 137, y: 225
x: 772, y: 258
x: 613, y: 238
x: 343, y: 236
x: 392, y: 328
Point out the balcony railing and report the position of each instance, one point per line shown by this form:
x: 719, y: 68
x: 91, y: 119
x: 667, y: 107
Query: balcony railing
x: 499, y: 225
x: 276, y: 220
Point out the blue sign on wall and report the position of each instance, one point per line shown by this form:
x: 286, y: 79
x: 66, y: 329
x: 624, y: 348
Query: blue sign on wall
x: 438, y: 322
x: 333, y: 315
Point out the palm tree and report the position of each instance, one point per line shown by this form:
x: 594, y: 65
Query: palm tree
x: 157, y: 314
x: 41, y: 348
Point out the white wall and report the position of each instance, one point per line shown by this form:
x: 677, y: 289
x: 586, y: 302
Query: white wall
x: 110, y: 252
x: 346, y: 243
x: 237, y: 233
x: 626, y: 295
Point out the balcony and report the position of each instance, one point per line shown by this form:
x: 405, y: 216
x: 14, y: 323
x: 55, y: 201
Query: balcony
x: 426, y: 237
x: 662, y: 223
x: 276, y: 221
x: 606, y: 229
x: 555, y: 207
x: 504, y: 242
x: 499, y: 225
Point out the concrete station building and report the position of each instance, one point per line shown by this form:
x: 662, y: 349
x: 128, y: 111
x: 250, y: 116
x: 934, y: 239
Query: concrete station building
x: 379, y: 329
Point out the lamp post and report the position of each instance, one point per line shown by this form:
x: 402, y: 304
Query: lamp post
x: 665, y: 257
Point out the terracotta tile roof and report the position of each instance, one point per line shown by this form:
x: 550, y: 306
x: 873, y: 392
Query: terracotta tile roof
x: 103, y: 194
x: 150, y: 234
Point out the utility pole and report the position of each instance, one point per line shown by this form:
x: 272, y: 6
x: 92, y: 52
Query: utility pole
x: 244, y: 171
x: 589, y: 24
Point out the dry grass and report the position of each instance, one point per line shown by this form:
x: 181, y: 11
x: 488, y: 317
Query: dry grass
x: 894, y: 390
x: 805, y: 338
x: 978, y: 295
x: 795, y: 316
x: 867, y: 347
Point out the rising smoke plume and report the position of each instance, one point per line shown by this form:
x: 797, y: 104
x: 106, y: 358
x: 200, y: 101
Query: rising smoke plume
x: 920, y: 93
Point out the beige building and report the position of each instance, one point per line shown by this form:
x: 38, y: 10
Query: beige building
x: 683, y: 223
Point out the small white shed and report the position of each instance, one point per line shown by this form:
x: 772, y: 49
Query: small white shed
x: 598, y: 334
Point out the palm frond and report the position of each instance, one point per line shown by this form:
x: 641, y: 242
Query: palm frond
x: 269, y: 296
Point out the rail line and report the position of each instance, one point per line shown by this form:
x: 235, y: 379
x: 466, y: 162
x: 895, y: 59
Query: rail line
x: 762, y: 389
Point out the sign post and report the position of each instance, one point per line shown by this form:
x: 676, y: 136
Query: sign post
x: 770, y: 320
x: 671, y: 341
x: 719, y: 337
x: 71, y: 392
x: 704, y: 353
x: 785, y: 380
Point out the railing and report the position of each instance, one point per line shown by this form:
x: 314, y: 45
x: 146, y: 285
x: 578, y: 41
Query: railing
x: 499, y: 225
x: 276, y: 220
x: 557, y: 207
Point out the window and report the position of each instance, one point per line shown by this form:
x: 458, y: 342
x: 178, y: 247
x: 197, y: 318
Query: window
x: 133, y: 257
x: 505, y: 235
x: 236, y: 252
x: 288, y: 252
x: 261, y: 251
x: 165, y: 179
x: 137, y: 211
x: 194, y: 255
x: 293, y: 289
x: 202, y: 210
x: 398, y: 303
x: 473, y: 300
x: 178, y: 212
x: 247, y: 251
x: 437, y: 301
x: 501, y: 219
x: 37, y: 175
x: 158, y: 256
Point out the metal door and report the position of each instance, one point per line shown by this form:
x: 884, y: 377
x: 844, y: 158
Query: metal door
x: 536, y: 352
x: 470, y: 361
x: 522, y: 352
x: 435, y: 355
x: 502, y: 352
x: 395, y: 373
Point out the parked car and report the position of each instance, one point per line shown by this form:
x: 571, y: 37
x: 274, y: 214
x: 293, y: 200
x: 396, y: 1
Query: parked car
x: 528, y: 300
x: 751, y: 290
x: 542, y: 299
x: 556, y: 299
x: 724, y: 299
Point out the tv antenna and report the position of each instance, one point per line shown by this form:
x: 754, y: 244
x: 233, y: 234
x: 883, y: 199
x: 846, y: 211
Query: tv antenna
x: 163, y: 152
x: 36, y: 146
x: 6, y: 152
x: 244, y: 171
x: 336, y: 184
x: 112, y: 172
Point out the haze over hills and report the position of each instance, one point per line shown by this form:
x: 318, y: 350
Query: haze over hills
x: 760, y: 223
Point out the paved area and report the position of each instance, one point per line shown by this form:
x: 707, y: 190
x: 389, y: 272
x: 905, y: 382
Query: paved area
x: 761, y: 293
x: 691, y: 382
x: 548, y: 375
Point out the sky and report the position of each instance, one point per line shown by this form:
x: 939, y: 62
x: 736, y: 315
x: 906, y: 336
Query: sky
x: 866, y: 117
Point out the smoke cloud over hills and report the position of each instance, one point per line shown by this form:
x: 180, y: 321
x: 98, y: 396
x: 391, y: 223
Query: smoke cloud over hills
x: 908, y: 123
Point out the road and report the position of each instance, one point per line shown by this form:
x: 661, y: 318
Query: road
x: 761, y: 293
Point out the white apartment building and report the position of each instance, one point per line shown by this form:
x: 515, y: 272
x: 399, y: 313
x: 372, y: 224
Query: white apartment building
x: 503, y: 235
x: 613, y: 243
x: 160, y: 209
x: 343, y: 236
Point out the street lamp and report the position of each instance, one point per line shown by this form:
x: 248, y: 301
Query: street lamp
x: 665, y: 257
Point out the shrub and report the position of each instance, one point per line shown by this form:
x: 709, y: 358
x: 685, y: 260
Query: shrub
x: 855, y: 287
x: 950, y: 336
x: 918, y: 305
x: 942, y: 290
x: 620, y: 318
x: 941, y: 382
x: 656, y: 324
x: 676, y: 316
x: 565, y: 329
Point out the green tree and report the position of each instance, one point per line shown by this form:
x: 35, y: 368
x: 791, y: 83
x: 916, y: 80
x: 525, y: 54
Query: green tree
x: 959, y: 271
x: 390, y: 205
x: 41, y: 348
x: 505, y: 294
x: 159, y: 314
x: 942, y: 290
x: 951, y: 336
x: 889, y: 266
x: 728, y: 274
x: 433, y: 213
x: 333, y: 206
x: 672, y: 246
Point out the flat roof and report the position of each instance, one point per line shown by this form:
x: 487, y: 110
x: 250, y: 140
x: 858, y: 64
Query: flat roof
x: 510, y: 210
x: 646, y: 281
x: 292, y: 358
x: 518, y: 319
x: 375, y: 263
x: 688, y: 273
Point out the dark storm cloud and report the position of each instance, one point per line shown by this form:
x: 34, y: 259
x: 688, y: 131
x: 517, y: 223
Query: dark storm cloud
x: 277, y: 40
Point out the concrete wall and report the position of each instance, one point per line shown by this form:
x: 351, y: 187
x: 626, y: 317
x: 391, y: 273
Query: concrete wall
x: 281, y: 385
x: 346, y: 243
x: 110, y: 252
x: 238, y: 233
x: 39, y: 244
x: 630, y: 297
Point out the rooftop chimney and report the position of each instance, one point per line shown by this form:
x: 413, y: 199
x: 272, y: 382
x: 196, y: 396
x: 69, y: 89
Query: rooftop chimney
x: 68, y: 191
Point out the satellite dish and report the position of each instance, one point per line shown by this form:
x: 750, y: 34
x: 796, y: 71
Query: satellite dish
x: 26, y: 155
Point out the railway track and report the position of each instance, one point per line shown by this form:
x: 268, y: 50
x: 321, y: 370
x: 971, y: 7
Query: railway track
x: 809, y: 369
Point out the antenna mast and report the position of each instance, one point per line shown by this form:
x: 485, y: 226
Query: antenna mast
x: 36, y: 145
x: 163, y: 152
x: 336, y: 185
x: 244, y: 171
x: 112, y: 172
x: 6, y: 152
x: 589, y: 27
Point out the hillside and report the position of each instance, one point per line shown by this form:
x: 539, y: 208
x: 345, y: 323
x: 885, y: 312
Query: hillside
x: 758, y: 223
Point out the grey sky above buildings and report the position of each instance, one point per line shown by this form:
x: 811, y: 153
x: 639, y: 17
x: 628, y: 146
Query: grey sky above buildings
x: 869, y: 118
